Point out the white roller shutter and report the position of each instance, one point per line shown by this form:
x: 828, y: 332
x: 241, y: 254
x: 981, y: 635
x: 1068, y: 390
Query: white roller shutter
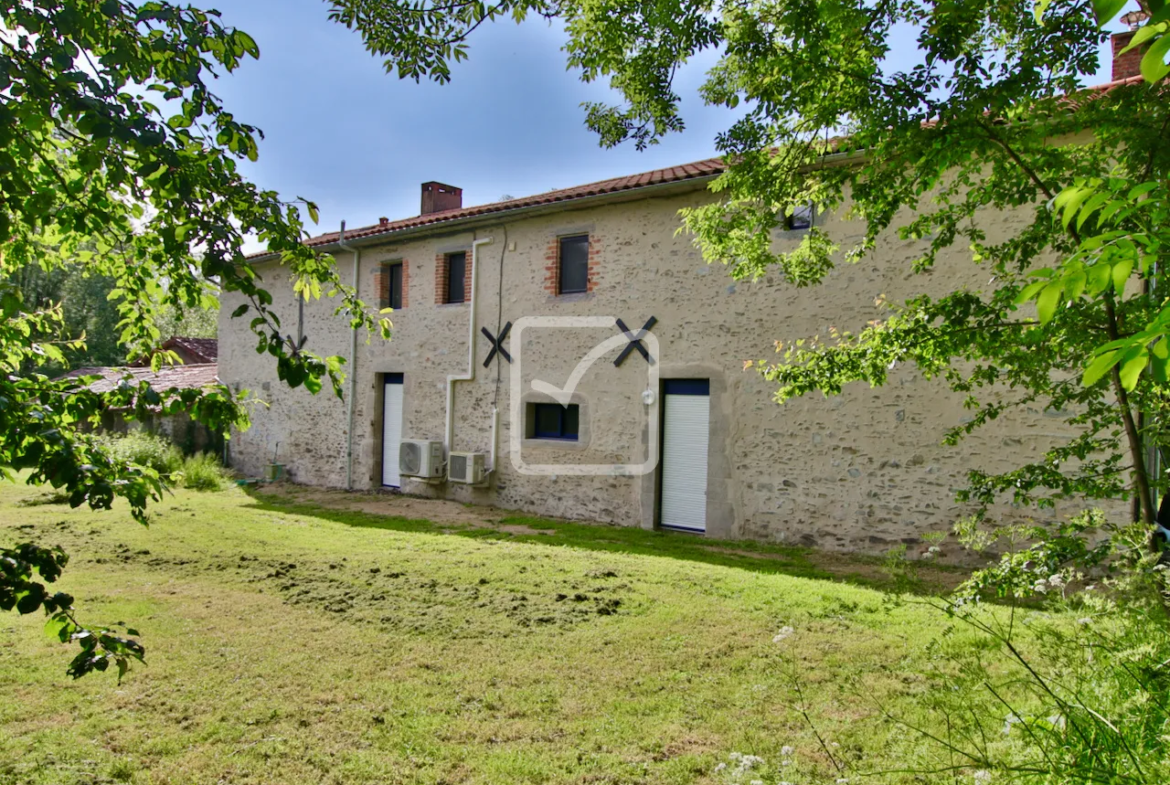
x: 391, y: 429
x: 686, y: 427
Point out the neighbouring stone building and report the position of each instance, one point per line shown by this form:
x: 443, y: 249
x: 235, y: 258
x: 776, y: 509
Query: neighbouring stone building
x: 859, y: 471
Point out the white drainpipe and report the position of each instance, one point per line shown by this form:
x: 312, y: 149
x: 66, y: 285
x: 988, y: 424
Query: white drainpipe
x: 357, y: 260
x: 470, y: 375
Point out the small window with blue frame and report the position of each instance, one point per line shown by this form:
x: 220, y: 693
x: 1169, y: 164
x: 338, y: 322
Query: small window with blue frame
x: 553, y: 421
x: 800, y: 218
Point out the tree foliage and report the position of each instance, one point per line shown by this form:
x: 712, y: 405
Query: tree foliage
x: 115, y: 155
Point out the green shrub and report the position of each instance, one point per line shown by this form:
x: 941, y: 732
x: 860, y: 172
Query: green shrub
x: 144, y: 449
x: 203, y: 473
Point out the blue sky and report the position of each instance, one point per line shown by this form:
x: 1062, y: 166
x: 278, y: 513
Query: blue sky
x: 359, y: 141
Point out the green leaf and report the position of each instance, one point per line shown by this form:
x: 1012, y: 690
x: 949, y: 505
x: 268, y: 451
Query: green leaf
x: 1099, y: 367
x: 243, y: 309
x: 55, y: 626
x: 1160, y: 361
x: 1041, y: 7
x: 1049, y: 300
x: 1105, y: 10
x: 1074, y: 283
x: 1075, y: 198
x: 1121, y: 272
x: 1154, y: 68
x: 1091, y: 207
x: 1151, y: 30
x: 1132, y: 364
x: 1030, y: 291
x: 1099, y: 279
x: 248, y: 43
x: 1139, y: 191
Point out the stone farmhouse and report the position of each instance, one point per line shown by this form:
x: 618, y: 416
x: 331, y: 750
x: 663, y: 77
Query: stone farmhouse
x: 486, y: 393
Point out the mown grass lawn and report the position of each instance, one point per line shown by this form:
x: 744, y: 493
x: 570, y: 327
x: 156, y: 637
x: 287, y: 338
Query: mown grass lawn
x: 290, y: 643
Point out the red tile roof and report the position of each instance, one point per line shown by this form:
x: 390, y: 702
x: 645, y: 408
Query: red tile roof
x: 181, y: 377
x: 671, y: 174
x: 202, y: 350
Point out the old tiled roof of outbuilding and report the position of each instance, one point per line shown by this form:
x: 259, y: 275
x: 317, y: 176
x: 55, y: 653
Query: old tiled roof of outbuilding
x: 181, y: 377
x: 205, y: 350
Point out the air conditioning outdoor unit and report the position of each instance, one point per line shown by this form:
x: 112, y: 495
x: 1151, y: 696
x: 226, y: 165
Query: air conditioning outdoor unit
x: 420, y: 458
x: 467, y: 468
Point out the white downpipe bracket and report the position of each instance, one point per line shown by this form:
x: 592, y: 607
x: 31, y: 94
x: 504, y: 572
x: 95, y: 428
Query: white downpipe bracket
x: 357, y: 260
x: 469, y: 376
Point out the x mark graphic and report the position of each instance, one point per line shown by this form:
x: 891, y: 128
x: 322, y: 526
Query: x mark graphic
x: 635, y: 341
x: 496, y: 343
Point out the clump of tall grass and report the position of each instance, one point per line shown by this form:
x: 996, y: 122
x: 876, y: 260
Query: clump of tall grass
x: 144, y: 449
x: 200, y: 472
x: 203, y: 473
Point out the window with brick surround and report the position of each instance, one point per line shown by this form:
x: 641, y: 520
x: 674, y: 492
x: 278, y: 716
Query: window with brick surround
x: 394, y: 289
x: 456, y: 264
x: 390, y: 284
x: 573, y: 264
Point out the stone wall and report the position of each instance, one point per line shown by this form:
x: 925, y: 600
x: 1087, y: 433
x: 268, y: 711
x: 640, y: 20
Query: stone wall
x: 859, y: 471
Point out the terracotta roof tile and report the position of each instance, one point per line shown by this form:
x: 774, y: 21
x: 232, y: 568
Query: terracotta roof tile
x: 672, y: 174
x: 205, y: 350
x: 181, y: 377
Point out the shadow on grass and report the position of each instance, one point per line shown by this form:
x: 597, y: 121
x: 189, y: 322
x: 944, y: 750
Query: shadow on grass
x: 739, y: 554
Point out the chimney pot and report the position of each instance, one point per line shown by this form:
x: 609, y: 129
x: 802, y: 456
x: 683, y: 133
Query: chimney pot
x: 438, y: 197
x: 383, y: 221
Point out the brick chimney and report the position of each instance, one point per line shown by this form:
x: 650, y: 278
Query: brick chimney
x: 1128, y: 64
x: 437, y: 197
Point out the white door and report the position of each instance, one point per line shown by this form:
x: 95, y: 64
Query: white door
x: 686, y: 422
x: 391, y: 428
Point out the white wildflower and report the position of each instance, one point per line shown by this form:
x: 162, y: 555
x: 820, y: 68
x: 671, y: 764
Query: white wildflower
x: 1009, y: 721
x: 756, y: 782
x: 842, y: 781
x: 786, y: 750
x: 720, y: 767
x: 1085, y: 620
x: 1040, y: 586
x: 1056, y: 581
x: 785, y: 632
x: 982, y: 777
